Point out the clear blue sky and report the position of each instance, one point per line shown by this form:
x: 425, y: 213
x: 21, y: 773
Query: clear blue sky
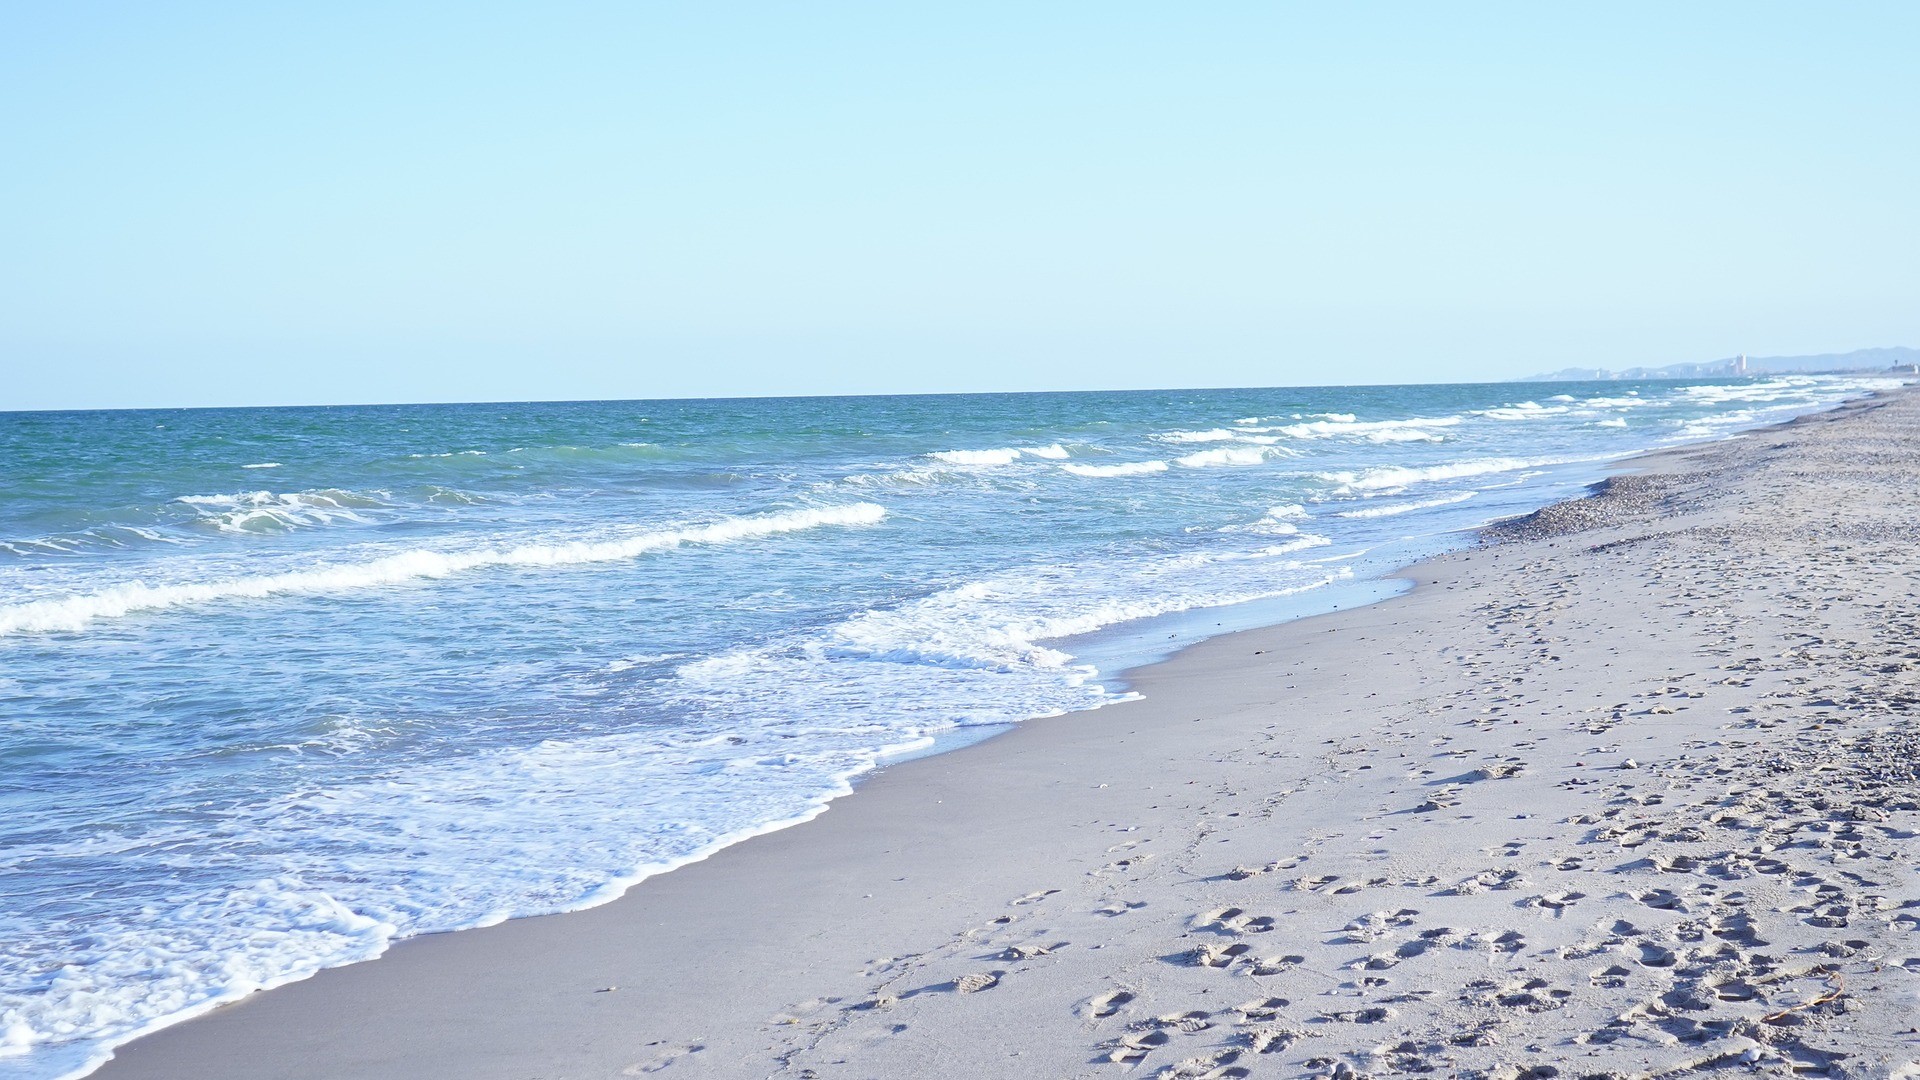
x: 275, y: 203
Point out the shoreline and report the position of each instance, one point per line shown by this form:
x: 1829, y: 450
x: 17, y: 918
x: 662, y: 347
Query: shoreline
x: 1057, y: 813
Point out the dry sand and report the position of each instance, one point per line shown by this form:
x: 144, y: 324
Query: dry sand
x: 1629, y: 792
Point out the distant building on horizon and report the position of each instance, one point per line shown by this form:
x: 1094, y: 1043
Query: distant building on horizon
x: 1898, y: 360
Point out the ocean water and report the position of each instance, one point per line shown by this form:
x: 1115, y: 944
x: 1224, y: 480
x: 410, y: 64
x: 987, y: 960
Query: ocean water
x: 281, y: 686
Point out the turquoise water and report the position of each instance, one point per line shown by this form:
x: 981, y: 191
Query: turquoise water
x: 280, y: 686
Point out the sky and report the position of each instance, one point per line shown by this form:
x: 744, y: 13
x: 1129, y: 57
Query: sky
x: 235, y: 204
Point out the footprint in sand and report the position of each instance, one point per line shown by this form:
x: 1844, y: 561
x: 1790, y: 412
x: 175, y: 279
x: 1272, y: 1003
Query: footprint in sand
x: 1488, y: 880
x: 1214, y: 956
x: 1215, y: 1066
x: 1611, y: 977
x: 1375, y: 925
x: 1260, y: 1009
x: 1428, y: 939
x: 1663, y: 899
x: 1031, y: 950
x: 977, y: 981
x: 1233, y: 920
x: 1271, y: 1040
x: 1101, y: 1006
x: 1131, y: 1049
x: 1509, y: 941
x: 1556, y: 903
x: 1656, y: 956
x: 1274, y: 965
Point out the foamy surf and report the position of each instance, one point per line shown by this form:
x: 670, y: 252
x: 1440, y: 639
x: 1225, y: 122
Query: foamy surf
x: 1229, y: 456
x: 257, y: 511
x: 1418, y: 429
x: 1125, y: 468
x: 1396, y: 509
x: 1000, y: 456
x: 1399, y: 477
x: 1216, y: 435
x: 76, y: 612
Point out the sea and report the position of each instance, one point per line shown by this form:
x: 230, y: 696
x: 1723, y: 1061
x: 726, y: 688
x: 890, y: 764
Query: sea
x: 281, y: 686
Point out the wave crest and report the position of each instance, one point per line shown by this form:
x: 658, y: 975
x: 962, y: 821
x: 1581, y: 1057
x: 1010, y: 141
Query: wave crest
x: 1124, y: 468
x: 76, y: 612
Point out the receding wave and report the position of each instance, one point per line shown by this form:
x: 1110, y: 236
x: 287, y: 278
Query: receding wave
x: 268, y: 511
x: 1230, y: 455
x: 1124, y: 468
x: 1393, y: 477
x: 1418, y: 429
x: 997, y: 625
x: 1392, y: 509
x: 1214, y: 435
x: 1524, y: 410
x: 1278, y: 521
x: 75, y: 612
x: 999, y: 456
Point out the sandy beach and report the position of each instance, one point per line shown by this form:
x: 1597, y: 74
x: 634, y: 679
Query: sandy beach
x: 1627, y: 790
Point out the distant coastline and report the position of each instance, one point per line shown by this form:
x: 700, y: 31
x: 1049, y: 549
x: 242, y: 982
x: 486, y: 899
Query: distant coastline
x: 1897, y: 359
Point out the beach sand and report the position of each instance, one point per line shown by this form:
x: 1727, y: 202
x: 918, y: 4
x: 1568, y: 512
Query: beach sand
x: 1628, y: 790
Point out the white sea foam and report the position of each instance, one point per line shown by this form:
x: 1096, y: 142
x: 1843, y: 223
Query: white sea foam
x: 1232, y: 455
x: 1212, y: 435
x: 203, y: 948
x: 1524, y: 410
x: 999, y: 456
x: 1252, y: 436
x: 929, y: 653
x: 1394, y: 509
x: 1278, y: 521
x: 1767, y: 390
x: 1618, y: 421
x: 628, y: 663
x: 1383, y: 431
x: 1404, y: 435
x: 75, y: 612
x: 262, y: 465
x: 977, y: 457
x: 267, y: 511
x: 1396, y: 477
x: 1291, y: 547
x: 1124, y: 468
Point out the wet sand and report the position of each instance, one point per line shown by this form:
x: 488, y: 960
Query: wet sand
x: 1628, y: 790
